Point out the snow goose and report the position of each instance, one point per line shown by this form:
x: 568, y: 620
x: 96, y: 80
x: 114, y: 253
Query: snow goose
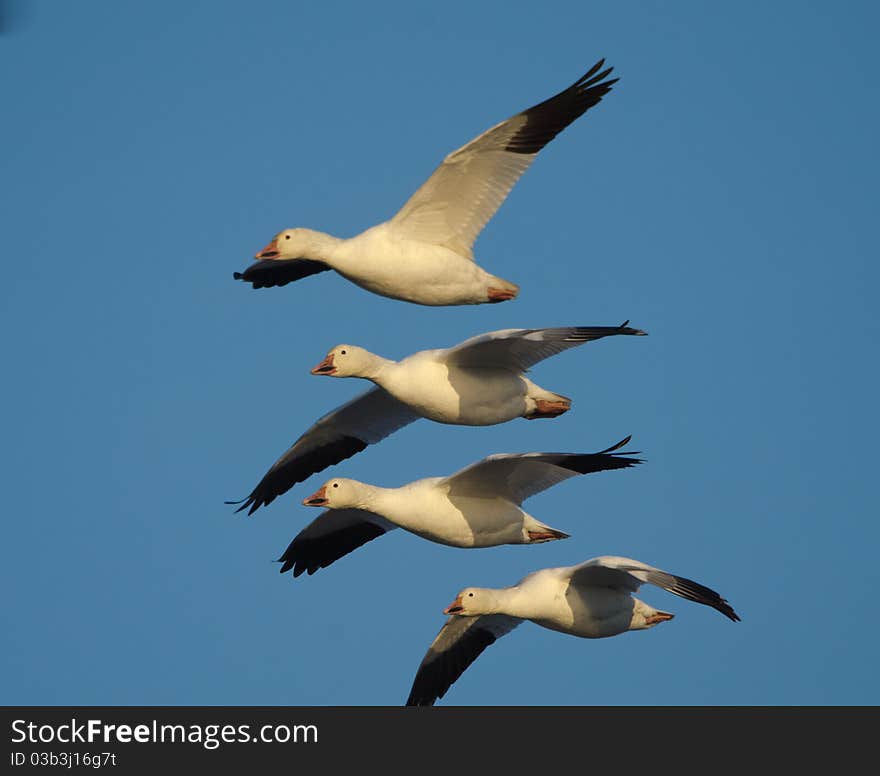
x: 477, y: 383
x: 591, y: 600
x: 424, y: 253
x: 479, y: 506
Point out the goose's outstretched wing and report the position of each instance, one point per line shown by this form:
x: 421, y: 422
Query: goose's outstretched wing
x: 455, y: 203
x: 267, y: 273
x: 334, y: 533
x: 628, y: 575
x: 340, y: 434
x: 517, y: 476
x: 460, y: 642
x: 520, y: 349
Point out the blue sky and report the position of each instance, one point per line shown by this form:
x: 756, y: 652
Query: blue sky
x: 723, y: 197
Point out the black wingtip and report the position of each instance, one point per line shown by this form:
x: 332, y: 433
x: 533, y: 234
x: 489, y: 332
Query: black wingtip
x: 245, y: 503
x: 271, y: 273
x: 603, y: 461
x: 596, y: 79
x: 593, y: 76
x: 593, y: 70
x: 694, y: 591
x: 617, y: 445
x: 418, y: 703
x: 309, y: 555
x: 287, y: 565
x: 550, y: 117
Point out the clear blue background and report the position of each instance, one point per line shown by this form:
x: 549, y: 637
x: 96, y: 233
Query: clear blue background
x: 723, y: 197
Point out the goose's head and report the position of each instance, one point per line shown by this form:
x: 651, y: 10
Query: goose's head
x: 289, y: 244
x: 345, y: 361
x: 644, y: 616
x: 338, y: 493
x: 472, y: 601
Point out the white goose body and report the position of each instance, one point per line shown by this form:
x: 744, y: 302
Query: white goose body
x: 447, y: 393
x: 550, y: 598
x: 395, y: 266
x: 424, y: 254
x: 424, y: 508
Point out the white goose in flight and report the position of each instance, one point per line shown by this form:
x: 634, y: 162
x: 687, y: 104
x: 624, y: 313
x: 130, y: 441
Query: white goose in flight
x: 479, y: 506
x: 424, y: 253
x: 480, y: 382
x: 591, y: 600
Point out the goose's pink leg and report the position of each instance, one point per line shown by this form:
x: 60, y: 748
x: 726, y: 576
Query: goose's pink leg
x: 546, y: 536
x: 499, y: 294
x: 548, y: 409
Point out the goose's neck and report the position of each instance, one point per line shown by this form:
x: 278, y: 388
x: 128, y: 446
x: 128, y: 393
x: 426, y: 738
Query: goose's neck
x: 378, y: 370
x: 519, y: 601
x: 514, y: 602
x: 373, y: 498
x: 319, y: 246
x: 507, y: 600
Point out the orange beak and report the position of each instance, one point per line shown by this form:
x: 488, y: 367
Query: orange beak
x: 317, y: 499
x: 270, y: 251
x: 455, y: 607
x: 325, y: 367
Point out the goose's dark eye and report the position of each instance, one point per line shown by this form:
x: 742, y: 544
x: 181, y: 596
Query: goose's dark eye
x: 335, y: 484
x: 470, y: 595
x: 287, y: 237
x: 342, y: 352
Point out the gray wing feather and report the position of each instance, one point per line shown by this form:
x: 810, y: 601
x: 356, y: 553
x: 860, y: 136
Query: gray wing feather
x: 464, y: 192
x: 518, y: 476
x: 628, y: 574
x: 520, y: 349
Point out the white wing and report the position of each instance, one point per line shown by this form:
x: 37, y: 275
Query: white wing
x: 517, y: 476
x: 628, y: 575
x: 455, y: 203
x: 334, y: 533
x: 338, y: 435
x: 520, y: 349
x: 459, y: 643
